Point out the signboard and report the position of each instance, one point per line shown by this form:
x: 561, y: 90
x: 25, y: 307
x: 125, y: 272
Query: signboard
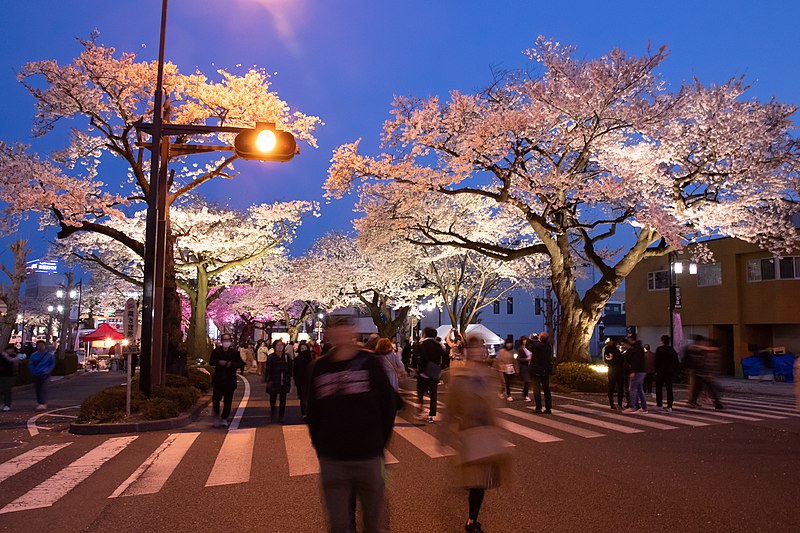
x: 43, y: 267
x: 676, y: 297
x: 130, y: 321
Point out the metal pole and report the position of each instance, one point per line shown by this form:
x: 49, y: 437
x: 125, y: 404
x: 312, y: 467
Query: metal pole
x: 671, y: 266
x: 128, y: 383
x: 148, y: 297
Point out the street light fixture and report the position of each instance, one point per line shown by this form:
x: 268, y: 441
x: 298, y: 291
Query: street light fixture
x: 675, y: 301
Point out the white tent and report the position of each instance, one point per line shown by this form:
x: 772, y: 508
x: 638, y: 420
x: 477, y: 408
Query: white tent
x: 488, y: 336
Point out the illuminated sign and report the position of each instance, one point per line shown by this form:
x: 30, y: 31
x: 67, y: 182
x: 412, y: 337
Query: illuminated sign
x: 44, y: 267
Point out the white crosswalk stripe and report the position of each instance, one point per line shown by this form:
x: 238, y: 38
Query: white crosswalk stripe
x: 424, y: 441
x: 53, y: 489
x: 525, y: 431
x: 152, y: 474
x: 28, y: 459
x: 749, y: 404
x: 544, y: 421
x: 599, y: 423
x: 715, y: 413
x: 234, y: 458
x: 623, y: 418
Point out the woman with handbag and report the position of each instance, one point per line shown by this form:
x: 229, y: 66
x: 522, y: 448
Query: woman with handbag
x: 470, y: 426
x: 279, y: 380
x: 504, y: 362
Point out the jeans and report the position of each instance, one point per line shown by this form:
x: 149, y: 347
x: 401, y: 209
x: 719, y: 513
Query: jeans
x: 665, y: 380
x: 431, y: 387
x: 616, y: 383
x: 40, y: 384
x: 638, y: 399
x: 542, y: 383
x: 273, y: 398
x: 222, y: 392
x: 343, y: 482
x: 6, y: 386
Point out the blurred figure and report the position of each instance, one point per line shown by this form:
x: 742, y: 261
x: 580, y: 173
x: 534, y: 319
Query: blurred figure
x: 429, y: 370
x: 300, y: 371
x: 703, y: 361
x: 407, y: 352
x: 456, y: 346
x: 524, y: 355
x: 616, y: 373
x: 8, y: 374
x: 225, y: 361
x: 41, y: 364
x: 541, y: 368
x: 470, y: 426
x: 279, y: 380
x: 392, y: 363
x: 351, y: 410
x: 635, y: 356
x: 666, y: 365
x: 504, y: 363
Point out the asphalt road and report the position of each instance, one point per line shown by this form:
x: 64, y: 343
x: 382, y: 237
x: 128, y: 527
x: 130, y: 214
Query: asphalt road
x: 590, y: 473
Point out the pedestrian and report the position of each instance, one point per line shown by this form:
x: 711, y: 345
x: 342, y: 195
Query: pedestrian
x: 666, y: 363
x: 392, y: 364
x: 262, y: 352
x: 429, y: 370
x: 405, y: 355
x: 41, y: 364
x: 616, y: 373
x: 649, y: 368
x: 635, y: 357
x: 8, y: 374
x: 703, y: 359
x: 471, y: 427
x: 226, y: 361
x: 279, y: 381
x: 504, y: 363
x: 351, y: 411
x: 541, y: 368
x: 524, y: 355
x: 300, y: 372
x: 456, y: 345
x: 247, y: 355
x: 626, y: 371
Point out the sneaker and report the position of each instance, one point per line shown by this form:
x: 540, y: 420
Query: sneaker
x: 474, y: 527
x: 644, y: 411
x: 431, y: 420
x: 612, y: 407
x: 224, y: 422
x: 6, y: 408
x: 510, y: 399
x: 629, y: 410
x: 548, y: 412
x: 669, y: 409
x: 528, y: 399
x: 41, y: 407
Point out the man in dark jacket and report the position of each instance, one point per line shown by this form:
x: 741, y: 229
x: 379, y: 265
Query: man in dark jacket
x: 635, y: 359
x: 541, y: 366
x: 351, y: 411
x: 429, y: 369
x: 616, y: 373
x: 666, y: 364
x: 226, y: 361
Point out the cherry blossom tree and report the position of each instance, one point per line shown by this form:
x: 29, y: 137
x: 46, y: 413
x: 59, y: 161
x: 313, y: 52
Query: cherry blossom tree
x: 581, y: 151
x: 9, y: 294
x: 105, y: 93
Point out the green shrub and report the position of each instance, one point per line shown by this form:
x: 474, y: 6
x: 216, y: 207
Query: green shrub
x: 159, y: 408
x: 176, y: 380
x: 66, y: 366
x: 580, y: 377
x: 108, y: 405
x: 184, y: 397
x: 199, y: 379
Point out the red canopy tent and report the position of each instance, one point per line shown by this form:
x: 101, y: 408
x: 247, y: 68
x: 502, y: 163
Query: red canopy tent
x: 102, y: 333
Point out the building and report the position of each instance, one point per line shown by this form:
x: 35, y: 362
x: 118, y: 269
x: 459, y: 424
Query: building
x: 43, y: 280
x: 746, y: 298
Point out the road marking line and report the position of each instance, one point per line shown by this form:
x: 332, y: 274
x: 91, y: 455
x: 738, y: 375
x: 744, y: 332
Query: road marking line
x: 599, y: 423
x: 716, y: 413
x: 50, y: 491
x: 152, y: 474
x: 388, y: 458
x: 26, y: 460
x: 543, y: 420
x: 242, y: 405
x: 300, y: 452
x: 761, y: 403
x: 744, y: 404
x: 33, y: 430
x: 680, y: 419
x: 525, y: 431
x: 234, y: 458
x: 631, y: 419
x: 747, y: 412
x: 425, y: 442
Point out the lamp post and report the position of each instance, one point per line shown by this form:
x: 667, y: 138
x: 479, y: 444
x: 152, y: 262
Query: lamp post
x: 675, y: 301
x: 263, y: 142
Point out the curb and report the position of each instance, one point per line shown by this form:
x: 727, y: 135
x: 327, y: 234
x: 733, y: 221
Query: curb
x: 144, y: 425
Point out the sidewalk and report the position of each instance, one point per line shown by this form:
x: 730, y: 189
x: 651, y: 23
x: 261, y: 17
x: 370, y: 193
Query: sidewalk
x: 67, y: 390
x: 754, y: 387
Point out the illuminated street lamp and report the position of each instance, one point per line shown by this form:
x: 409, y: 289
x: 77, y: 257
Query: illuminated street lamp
x: 675, y: 301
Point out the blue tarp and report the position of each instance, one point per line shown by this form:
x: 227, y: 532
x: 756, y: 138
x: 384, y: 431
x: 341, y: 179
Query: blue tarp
x: 782, y: 365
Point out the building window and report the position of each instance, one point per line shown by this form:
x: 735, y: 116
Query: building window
x: 789, y: 267
x: 496, y: 308
x: 510, y: 305
x: 709, y: 274
x: 773, y: 268
x: 658, y: 280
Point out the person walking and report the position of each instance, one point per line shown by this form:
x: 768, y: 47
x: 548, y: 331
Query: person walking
x: 649, y: 368
x: 279, y: 381
x: 8, y: 374
x: 504, y: 363
x: 524, y: 355
x: 351, y: 412
x: 300, y: 371
x: 226, y: 361
x: 456, y: 348
x: 666, y: 363
x: 262, y: 353
x: 41, y: 364
x: 616, y: 373
x: 541, y: 368
x: 429, y: 370
x: 703, y: 360
x: 471, y: 427
x: 635, y: 356
x: 392, y: 363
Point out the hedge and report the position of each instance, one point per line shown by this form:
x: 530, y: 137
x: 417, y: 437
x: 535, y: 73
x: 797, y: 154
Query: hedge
x: 580, y: 377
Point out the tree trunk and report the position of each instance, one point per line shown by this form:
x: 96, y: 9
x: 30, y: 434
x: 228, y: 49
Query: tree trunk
x: 198, y: 329
x: 176, y: 352
x: 11, y: 298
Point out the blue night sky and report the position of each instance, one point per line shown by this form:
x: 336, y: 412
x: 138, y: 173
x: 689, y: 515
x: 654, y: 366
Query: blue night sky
x: 344, y: 60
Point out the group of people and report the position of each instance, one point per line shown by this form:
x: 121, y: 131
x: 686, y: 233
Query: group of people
x: 632, y: 365
x: 41, y: 363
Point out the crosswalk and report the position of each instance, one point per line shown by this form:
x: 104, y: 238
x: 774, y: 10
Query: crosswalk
x: 234, y: 459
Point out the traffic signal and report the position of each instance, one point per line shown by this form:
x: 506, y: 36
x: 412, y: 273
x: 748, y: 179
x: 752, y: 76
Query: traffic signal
x: 265, y: 143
